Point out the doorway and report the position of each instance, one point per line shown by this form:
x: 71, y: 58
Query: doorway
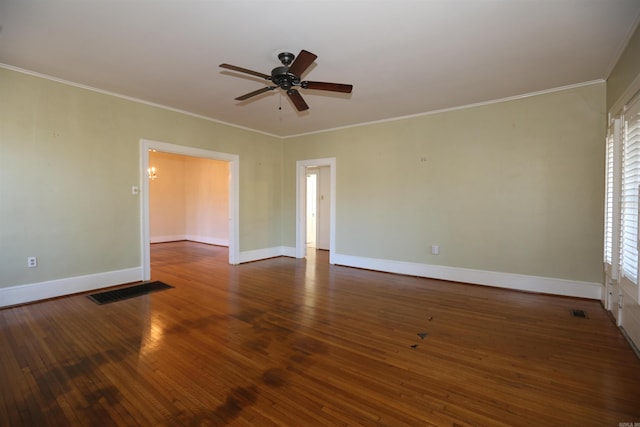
x: 318, y: 207
x: 312, y: 206
x: 188, y: 199
x: 315, y: 206
x: 234, y: 160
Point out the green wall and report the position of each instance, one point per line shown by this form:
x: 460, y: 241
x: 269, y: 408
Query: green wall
x: 512, y: 187
x: 68, y: 160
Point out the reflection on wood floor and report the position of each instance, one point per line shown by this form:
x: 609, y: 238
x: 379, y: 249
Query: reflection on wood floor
x: 298, y: 342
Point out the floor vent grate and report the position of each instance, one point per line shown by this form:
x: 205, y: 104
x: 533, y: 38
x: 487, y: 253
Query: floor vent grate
x: 128, y: 292
x: 579, y: 313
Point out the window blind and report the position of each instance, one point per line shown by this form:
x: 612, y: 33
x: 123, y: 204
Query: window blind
x: 630, y: 188
x: 608, y: 214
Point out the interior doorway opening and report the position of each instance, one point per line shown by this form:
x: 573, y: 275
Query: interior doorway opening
x: 233, y: 195
x: 188, y: 199
x: 318, y: 207
x: 316, y: 189
x: 312, y: 205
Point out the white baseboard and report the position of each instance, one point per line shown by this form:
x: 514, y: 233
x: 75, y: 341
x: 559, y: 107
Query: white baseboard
x: 191, y: 237
x: 547, y: 285
x: 246, y: 256
x: 55, y: 288
x: 164, y: 239
x: 208, y: 240
x: 258, y: 254
x: 288, y: 251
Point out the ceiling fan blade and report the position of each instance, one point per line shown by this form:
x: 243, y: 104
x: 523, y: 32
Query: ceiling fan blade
x: 333, y: 87
x: 246, y: 71
x: 255, y: 92
x: 297, y: 100
x: 302, y: 62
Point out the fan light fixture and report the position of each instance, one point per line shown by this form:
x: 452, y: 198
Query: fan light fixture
x: 152, y: 173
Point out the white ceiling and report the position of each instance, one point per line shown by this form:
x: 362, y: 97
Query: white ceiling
x: 403, y: 57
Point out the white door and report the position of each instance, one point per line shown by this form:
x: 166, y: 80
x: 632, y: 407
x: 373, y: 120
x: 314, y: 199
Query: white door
x: 312, y: 197
x: 323, y: 209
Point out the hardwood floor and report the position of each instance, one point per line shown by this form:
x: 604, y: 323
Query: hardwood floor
x: 299, y: 343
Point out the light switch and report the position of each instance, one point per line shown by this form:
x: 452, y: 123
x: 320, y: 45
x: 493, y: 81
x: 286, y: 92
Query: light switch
x: 135, y: 190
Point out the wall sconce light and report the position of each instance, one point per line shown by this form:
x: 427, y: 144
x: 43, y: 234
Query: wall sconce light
x: 152, y: 173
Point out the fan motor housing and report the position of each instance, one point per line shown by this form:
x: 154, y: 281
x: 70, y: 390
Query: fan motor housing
x: 283, y: 78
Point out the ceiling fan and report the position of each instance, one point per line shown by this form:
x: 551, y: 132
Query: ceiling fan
x: 288, y: 76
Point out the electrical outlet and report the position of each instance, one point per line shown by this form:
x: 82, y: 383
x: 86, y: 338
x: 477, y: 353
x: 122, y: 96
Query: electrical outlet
x: 32, y: 262
x: 435, y: 250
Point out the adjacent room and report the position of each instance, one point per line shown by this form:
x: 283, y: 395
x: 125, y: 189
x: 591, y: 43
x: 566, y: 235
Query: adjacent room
x: 319, y: 213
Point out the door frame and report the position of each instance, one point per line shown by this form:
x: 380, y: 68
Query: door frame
x: 301, y: 204
x: 234, y: 195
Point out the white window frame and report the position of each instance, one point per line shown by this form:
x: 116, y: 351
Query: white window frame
x: 621, y: 254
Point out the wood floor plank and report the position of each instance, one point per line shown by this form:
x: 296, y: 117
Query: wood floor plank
x: 286, y: 342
